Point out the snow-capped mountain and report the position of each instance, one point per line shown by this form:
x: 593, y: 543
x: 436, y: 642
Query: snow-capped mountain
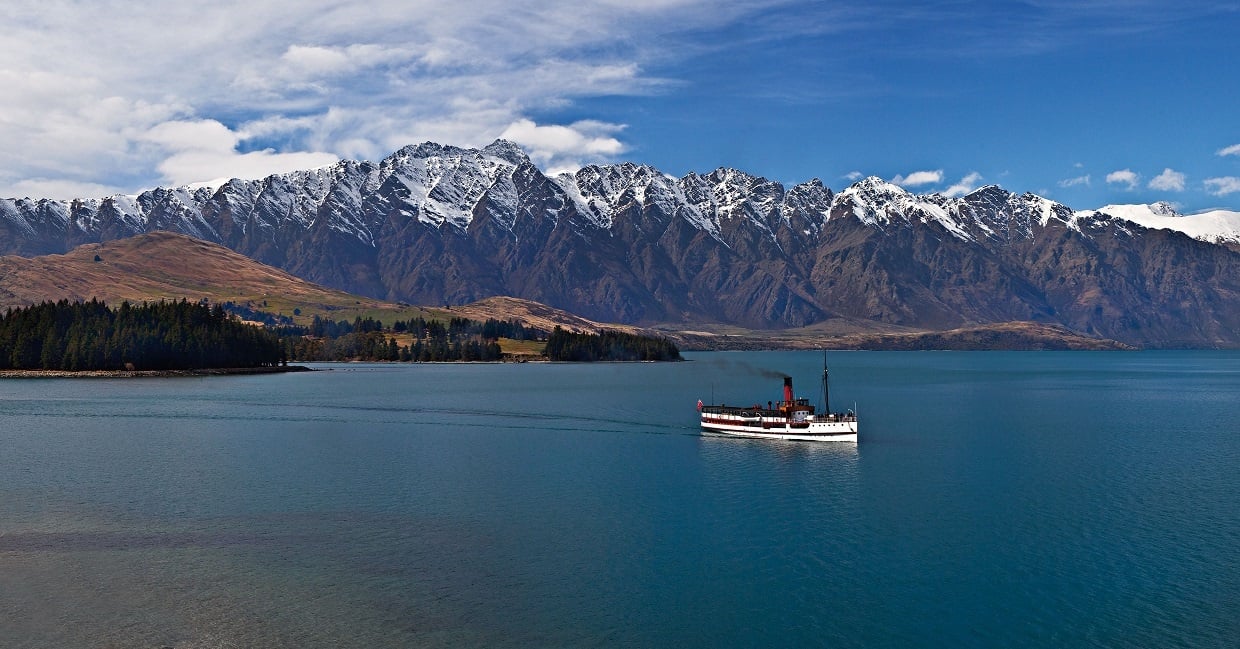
x: 1214, y: 226
x: 438, y: 224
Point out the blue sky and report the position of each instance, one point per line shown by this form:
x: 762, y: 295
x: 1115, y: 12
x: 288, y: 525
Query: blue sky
x: 1088, y: 103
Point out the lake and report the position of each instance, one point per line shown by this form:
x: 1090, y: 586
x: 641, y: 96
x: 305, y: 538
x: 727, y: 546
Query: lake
x: 995, y: 499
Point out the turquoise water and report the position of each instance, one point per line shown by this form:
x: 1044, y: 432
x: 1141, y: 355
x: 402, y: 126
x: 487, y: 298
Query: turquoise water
x: 996, y: 499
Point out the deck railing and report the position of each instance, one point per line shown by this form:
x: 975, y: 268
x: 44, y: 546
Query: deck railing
x: 756, y: 413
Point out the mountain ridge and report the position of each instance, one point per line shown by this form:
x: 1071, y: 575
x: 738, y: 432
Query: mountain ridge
x: 436, y: 224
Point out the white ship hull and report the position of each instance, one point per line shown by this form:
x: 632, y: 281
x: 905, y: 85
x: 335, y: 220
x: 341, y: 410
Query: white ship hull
x: 764, y: 428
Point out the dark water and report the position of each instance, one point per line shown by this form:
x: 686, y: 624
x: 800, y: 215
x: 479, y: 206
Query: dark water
x: 996, y: 499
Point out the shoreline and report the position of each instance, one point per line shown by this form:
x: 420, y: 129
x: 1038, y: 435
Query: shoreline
x: 132, y: 374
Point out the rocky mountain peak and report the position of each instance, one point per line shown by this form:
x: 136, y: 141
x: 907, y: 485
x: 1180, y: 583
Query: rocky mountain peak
x: 988, y: 194
x: 425, y: 150
x: 507, y: 150
x: 872, y: 189
x: 1163, y: 208
x: 809, y: 195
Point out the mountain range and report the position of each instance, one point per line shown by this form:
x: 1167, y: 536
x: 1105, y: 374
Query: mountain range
x: 433, y: 224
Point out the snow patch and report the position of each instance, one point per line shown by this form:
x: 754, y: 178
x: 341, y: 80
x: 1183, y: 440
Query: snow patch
x: 1214, y: 226
x: 878, y: 203
x: 445, y: 184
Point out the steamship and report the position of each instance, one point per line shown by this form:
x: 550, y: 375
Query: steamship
x: 792, y: 418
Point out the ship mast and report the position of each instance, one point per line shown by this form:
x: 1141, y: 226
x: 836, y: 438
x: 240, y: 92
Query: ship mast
x: 826, y: 388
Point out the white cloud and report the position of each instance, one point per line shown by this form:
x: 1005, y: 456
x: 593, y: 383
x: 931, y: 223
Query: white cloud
x: 1075, y: 182
x: 966, y: 185
x: 206, y: 134
x: 917, y: 178
x: 566, y: 148
x: 1223, y: 186
x: 853, y: 175
x: 189, y: 167
x: 1231, y: 150
x: 311, y: 60
x: 340, y: 79
x: 318, y: 68
x: 59, y: 189
x: 201, y: 150
x: 1126, y: 177
x: 1168, y: 181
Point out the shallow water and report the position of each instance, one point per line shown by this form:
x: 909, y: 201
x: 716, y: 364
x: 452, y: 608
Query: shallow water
x: 1010, y: 499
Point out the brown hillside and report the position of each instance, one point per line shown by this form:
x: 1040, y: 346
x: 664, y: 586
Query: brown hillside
x: 533, y: 314
x: 167, y: 266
